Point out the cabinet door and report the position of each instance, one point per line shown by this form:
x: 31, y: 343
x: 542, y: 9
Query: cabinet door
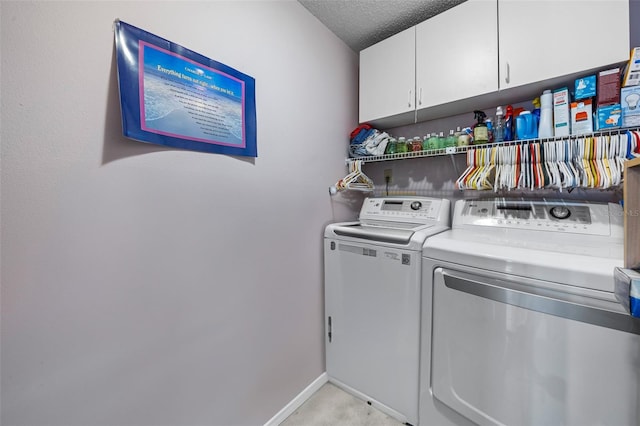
x: 540, y: 40
x: 387, y: 77
x: 457, y: 54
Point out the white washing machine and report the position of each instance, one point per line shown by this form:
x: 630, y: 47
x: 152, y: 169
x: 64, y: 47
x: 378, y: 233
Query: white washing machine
x: 524, y: 328
x: 372, y: 300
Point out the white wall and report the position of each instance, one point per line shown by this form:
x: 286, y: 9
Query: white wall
x: 150, y: 286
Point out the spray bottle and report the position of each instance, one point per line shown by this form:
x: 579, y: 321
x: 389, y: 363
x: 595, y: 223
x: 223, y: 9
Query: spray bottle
x: 480, y: 131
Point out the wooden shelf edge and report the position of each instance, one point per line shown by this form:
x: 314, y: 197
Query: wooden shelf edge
x: 631, y: 194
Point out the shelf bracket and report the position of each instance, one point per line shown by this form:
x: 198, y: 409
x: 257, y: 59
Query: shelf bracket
x: 453, y: 160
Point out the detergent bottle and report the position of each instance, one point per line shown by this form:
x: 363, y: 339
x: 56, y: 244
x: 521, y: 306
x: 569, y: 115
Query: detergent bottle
x: 526, y: 125
x: 508, y: 124
x: 536, y: 109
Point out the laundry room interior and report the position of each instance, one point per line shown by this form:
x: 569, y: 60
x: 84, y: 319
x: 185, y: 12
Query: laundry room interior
x: 152, y: 284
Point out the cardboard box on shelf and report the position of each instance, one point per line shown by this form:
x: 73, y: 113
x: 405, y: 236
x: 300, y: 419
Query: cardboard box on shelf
x: 609, y: 117
x: 581, y: 117
x: 561, y: 112
x: 630, y: 103
x: 609, y: 87
x: 585, y: 88
x: 632, y: 71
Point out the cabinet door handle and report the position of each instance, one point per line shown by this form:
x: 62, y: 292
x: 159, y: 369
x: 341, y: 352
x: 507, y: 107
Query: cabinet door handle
x: 409, y: 102
x: 507, y: 77
x: 420, y: 97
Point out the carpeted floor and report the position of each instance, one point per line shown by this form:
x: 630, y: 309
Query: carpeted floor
x: 331, y: 406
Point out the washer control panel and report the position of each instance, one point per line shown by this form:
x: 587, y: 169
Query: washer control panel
x: 403, y: 209
x: 543, y: 215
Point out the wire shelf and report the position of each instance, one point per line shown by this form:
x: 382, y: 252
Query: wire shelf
x: 463, y: 149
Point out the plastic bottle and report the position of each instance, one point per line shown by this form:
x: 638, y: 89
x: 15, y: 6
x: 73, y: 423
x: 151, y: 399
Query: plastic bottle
x: 441, y: 140
x: 391, y: 146
x: 401, y: 146
x: 526, y: 126
x: 498, y: 129
x: 480, y: 131
x: 425, y: 143
x: 433, y: 142
x: 489, y: 124
x: 465, y: 137
x: 545, y: 128
x: 451, y: 140
x: 536, y: 109
x: 508, y: 124
x: 416, y: 144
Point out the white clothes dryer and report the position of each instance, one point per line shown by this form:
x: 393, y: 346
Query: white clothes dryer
x: 373, y: 280
x: 521, y: 325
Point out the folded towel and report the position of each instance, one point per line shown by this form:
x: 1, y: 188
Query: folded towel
x: 377, y: 144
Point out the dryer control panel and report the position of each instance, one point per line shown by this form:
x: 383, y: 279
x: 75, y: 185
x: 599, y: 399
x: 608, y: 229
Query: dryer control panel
x: 414, y: 210
x: 540, y: 215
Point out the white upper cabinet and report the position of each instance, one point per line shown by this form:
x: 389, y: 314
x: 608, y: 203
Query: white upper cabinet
x: 457, y: 54
x: 387, y: 78
x: 483, y: 53
x: 540, y: 40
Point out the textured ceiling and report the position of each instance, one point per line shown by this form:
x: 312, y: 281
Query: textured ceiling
x: 362, y: 23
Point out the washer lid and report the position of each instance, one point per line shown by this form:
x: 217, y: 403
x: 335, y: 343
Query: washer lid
x: 576, y: 260
x: 402, y: 221
x: 403, y: 237
x: 376, y: 233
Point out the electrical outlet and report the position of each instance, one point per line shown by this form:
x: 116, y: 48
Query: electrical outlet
x: 388, y: 175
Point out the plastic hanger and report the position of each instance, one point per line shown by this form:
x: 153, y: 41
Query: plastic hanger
x: 551, y: 165
x: 635, y: 152
x: 517, y: 167
x: 582, y: 162
x: 525, y: 168
x: 572, y: 149
x: 356, y: 180
x: 565, y: 151
x: 538, y: 154
x: 487, y: 180
x: 461, y: 182
x: 614, y: 159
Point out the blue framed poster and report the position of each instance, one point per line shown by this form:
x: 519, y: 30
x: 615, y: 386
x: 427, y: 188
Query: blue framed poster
x: 172, y: 96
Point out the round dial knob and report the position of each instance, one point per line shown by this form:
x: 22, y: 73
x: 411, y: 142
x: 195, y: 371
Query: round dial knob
x: 560, y: 212
x: 416, y: 205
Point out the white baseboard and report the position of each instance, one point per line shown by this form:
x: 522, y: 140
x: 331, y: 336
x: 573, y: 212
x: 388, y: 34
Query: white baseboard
x: 296, y: 402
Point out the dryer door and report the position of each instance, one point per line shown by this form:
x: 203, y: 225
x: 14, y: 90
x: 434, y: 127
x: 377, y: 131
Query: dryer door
x: 505, y: 353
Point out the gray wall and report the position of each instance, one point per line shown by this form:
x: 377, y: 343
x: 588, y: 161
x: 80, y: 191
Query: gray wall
x: 150, y: 286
